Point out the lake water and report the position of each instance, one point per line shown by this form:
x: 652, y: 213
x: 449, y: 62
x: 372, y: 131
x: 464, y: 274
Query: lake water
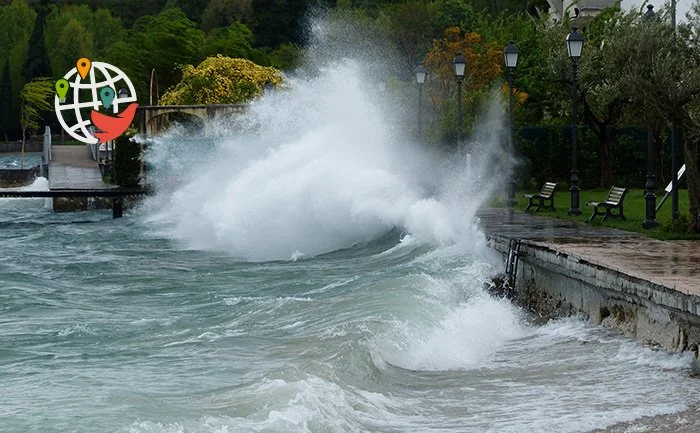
x: 307, y: 267
x: 14, y: 160
x: 108, y: 326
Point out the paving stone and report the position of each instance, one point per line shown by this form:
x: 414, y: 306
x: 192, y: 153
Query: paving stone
x: 672, y: 264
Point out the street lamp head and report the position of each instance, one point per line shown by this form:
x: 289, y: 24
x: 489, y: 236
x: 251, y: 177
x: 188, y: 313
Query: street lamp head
x: 421, y: 73
x: 510, y: 55
x: 460, y: 65
x: 574, y: 43
x: 649, y: 15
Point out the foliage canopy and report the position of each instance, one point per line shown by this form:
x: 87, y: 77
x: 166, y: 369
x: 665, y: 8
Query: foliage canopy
x: 222, y: 80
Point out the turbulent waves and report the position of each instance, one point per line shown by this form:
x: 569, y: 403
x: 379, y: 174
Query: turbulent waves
x: 305, y: 268
x: 110, y: 327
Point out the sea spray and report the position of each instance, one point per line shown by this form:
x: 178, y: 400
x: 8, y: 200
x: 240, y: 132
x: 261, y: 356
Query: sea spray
x: 318, y: 166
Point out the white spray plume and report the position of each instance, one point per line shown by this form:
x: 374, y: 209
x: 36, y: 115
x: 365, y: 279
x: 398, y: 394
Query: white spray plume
x: 317, y: 167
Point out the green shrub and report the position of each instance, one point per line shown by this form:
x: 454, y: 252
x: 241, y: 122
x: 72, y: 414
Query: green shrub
x: 127, y: 165
x: 681, y: 225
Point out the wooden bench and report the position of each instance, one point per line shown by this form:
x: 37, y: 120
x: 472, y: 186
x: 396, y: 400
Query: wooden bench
x: 614, y: 200
x: 547, y: 193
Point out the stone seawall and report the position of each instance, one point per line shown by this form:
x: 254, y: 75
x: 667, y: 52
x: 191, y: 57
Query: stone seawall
x: 552, y: 281
x: 12, y: 177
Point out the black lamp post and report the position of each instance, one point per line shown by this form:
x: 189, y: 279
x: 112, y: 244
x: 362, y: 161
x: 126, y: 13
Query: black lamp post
x: 650, y: 185
x: 460, y: 65
x: 510, y: 56
x: 574, y: 44
x: 674, y: 141
x: 421, y: 74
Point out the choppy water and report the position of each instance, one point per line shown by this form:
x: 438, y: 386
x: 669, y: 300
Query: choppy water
x: 107, y: 327
x: 307, y: 267
x: 14, y: 160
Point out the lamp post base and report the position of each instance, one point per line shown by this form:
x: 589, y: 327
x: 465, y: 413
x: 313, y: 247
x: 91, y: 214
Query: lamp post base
x: 650, y: 224
x: 650, y: 213
x: 510, y: 194
x: 574, y: 209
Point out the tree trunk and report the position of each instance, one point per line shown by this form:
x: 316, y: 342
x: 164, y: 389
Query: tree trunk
x: 605, y: 140
x: 660, y: 146
x: 21, y: 163
x: 605, y: 155
x: 692, y: 167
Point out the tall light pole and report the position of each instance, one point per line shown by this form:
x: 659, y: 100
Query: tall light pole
x: 154, y: 78
x: 650, y: 185
x: 510, y: 56
x: 460, y: 65
x: 674, y: 144
x: 421, y: 74
x: 574, y: 44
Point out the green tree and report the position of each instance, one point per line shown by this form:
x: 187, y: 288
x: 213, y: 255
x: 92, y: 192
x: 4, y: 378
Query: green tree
x: 484, y: 60
x: 193, y: 9
x: 167, y: 40
x: 602, y: 94
x: 17, y: 19
x: 411, y: 27
x: 73, y: 32
x: 74, y: 42
x: 276, y: 22
x: 36, y: 100
x: 222, y: 13
x: 107, y: 29
x: 37, y: 62
x: 284, y: 57
x: 660, y: 74
x: 126, y: 55
x: 690, y: 31
x: 129, y: 11
x: 232, y: 41
x: 452, y: 13
x: 222, y: 80
x: 6, y: 108
x: 127, y: 166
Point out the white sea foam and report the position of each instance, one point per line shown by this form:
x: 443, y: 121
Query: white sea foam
x: 321, y: 165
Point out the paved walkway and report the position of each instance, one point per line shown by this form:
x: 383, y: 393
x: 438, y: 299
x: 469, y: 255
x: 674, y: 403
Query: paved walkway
x: 72, y: 167
x: 672, y: 264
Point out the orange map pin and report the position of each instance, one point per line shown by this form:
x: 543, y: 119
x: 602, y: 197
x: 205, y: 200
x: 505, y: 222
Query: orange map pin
x: 83, y: 67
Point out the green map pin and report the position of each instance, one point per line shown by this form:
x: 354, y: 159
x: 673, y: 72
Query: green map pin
x: 62, y: 87
x: 107, y: 96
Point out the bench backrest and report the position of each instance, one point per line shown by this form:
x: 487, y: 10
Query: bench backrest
x: 548, y: 189
x: 616, y: 195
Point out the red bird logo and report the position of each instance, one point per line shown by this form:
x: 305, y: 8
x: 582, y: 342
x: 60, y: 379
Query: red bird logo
x: 112, y: 127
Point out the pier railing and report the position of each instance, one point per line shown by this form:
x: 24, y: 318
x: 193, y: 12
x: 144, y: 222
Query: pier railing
x: 46, y: 153
x: 116, y: 194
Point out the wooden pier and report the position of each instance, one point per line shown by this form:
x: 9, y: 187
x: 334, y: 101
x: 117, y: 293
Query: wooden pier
x: 116, y: 194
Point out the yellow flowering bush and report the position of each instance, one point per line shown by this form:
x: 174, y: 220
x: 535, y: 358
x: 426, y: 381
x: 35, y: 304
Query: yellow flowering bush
x: 221, y: 80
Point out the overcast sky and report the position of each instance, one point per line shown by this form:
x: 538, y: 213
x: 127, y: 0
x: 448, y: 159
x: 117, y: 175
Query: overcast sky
x: 682, y: 6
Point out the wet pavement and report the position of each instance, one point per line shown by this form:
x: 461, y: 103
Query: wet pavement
x: 672, y: 264
x: 73, y: 167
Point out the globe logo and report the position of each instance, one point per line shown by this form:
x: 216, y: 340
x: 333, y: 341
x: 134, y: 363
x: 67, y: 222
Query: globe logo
x: 88, y: 89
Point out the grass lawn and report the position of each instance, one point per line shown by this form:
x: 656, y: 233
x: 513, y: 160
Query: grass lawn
x: 634, y: 211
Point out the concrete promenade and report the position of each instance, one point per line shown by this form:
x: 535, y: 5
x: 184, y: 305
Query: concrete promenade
x: 73, y: 167
x: 671, y: 264
x: 642, y: 287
